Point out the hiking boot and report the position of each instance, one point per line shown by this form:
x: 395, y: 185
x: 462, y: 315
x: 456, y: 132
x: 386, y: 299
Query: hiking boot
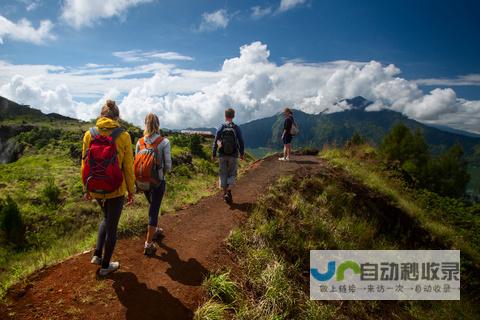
x: 230, y: 197
x: 150, y: 250
x: 225, y: 198
x: 96, y: 260
x: 112, y: 267
x: 158, y: 235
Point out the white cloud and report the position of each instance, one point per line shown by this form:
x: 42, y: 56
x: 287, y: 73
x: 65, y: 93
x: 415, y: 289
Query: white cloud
x: 463, y: 80
x: 215, y: 20
x: 250, y: 82
x: 286, y: 5
x: 139, y: 55
x: 80, y: 13
x: 259, y: 12
x: 24, y: 31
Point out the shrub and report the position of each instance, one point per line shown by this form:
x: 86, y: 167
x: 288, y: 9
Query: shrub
x: 50, y: 191
x: 11, y: 222
x: 196, y: 146
x: 182, y: 170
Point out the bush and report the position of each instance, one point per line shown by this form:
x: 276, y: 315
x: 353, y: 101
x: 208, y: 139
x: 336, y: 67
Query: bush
x: 196, y: 146
x: 51, y: 192
x: 182, y: 170
x: 11, y: 222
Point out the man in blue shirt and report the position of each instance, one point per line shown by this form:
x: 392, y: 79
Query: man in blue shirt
x: 229, y: 144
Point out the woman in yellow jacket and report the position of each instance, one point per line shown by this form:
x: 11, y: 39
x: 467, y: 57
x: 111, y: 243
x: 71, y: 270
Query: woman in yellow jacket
x: 111, y: 203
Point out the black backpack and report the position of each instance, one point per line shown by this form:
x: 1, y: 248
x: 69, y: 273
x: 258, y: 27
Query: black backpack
x: 229, y: 139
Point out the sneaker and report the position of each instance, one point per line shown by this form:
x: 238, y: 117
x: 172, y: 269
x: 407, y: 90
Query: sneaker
x: 230, y: 197
x: 112, y: 267
x: 282, y: 159
x: 225, y: 197
x: 150, y: 250
x: 96, y: 260
x: 158, y: 235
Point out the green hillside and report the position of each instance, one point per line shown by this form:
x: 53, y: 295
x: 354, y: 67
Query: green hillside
x: 336, y: 128
x: 43, y: 218
x: 353, y: 201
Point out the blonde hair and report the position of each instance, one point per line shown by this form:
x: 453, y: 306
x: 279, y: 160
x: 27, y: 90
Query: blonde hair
x: 110, y: 110
x: 152, y: 125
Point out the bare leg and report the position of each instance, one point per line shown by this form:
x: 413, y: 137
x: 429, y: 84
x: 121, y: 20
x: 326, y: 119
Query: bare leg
x: 288, y: 150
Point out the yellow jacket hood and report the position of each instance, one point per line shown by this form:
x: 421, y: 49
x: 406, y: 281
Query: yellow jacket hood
x: 107, y: 124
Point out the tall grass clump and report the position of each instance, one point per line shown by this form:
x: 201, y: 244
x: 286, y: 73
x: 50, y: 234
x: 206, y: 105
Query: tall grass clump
x: 51, y: 192
x: 220, y: 287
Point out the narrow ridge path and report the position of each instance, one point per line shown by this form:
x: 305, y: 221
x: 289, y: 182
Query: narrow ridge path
x: 164, y: 287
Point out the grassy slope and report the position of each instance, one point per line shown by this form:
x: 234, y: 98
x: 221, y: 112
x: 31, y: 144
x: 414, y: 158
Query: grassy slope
x: 55, y: 231
x: 332, y: 211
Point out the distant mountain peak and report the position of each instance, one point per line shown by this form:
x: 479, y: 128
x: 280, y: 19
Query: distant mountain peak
x: 356, y: 103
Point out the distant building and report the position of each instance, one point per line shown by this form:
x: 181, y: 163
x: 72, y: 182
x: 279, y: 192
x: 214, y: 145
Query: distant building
x: 207, y: 134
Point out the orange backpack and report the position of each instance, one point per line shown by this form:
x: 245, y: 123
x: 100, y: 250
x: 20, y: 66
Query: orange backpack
x: 146, y: 165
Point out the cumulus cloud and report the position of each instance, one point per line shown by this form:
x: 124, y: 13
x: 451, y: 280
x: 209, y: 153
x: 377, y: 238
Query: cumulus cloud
x: 23, y: 30
x: 254, y: 85
x: 80, y: 13
x: 215, y: 20
x: 139, y: 55
x: 286, y: 5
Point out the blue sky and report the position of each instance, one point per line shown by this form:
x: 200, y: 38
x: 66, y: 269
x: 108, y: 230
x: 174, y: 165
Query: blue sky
x: 434, y: 45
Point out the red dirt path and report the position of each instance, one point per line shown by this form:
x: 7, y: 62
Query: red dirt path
x: 166, y: 286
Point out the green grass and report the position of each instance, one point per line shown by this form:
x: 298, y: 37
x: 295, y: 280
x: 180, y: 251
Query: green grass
x: 210, y: 310
x: 330, y: 211
x: 220, y: 287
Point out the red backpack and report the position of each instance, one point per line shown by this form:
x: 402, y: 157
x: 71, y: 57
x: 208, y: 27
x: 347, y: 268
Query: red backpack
x: 101, y: 172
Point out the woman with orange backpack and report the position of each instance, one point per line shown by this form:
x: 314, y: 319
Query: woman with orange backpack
x: 152, y: 161
x: 107, y: 174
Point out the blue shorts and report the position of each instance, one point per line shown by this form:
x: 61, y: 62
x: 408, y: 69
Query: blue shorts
x: 287, y: 138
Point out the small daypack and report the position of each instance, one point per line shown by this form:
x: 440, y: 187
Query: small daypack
x: 294, y: 130
x: 101, y: 172
x: 146, y: 165
x: 229, y: 140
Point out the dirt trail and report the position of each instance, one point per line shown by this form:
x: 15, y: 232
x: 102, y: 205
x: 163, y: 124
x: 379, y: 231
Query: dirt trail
x: 166, y: 286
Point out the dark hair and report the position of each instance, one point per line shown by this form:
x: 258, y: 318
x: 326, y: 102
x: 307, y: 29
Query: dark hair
x: 110, y: 110
x: 288, y: 111
x: 230, y: 113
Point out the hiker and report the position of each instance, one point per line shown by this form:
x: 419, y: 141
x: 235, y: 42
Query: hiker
x: 289, y: 130
x: 229, y: 143
x: 152, y: 161
x: 107, y: 173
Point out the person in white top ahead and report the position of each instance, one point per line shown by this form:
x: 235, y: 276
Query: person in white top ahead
x: 155, y: 194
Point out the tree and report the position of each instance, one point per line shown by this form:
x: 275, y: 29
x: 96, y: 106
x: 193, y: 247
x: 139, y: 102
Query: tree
x: 448, y: 173
x: 409, y: 149
x: 355, y: 140
x: 196, y: 148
